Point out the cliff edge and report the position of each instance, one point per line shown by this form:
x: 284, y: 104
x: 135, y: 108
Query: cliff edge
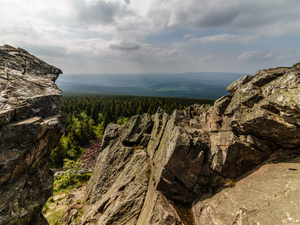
x: 230, y: 163
x: 30, y: 127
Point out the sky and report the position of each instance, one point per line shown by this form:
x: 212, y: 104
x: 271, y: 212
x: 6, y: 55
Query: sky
x: 155, y: 36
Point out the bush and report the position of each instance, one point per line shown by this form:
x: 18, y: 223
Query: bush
x: 67, y: 148
x: 71, y: 167
x: 122, y: 120
x: 84, y: 177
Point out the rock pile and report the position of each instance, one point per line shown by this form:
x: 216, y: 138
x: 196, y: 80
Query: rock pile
x: 30, y: 126
x: 165, y: 169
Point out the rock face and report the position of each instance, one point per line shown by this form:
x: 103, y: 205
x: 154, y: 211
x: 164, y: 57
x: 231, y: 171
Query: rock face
x: 172, y: 169
x: 30, y: 127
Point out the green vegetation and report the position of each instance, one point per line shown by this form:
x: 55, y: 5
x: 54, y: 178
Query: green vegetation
x: 56, y: 205
x: 88, y: 115
x: 61, y: 182
x: 63, y: 185
x: 54, y: 218
x: 70, y: 179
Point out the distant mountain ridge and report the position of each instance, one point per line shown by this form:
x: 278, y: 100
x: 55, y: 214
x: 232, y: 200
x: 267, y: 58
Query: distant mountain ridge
x: 190, y: 85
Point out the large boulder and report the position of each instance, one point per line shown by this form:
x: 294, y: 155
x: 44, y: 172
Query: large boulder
x: 30, y: 127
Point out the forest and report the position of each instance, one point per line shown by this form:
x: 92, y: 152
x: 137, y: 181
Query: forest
x: 88, y: 115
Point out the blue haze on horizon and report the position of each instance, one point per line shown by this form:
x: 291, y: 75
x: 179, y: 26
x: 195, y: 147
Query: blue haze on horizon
x: 189, y: 85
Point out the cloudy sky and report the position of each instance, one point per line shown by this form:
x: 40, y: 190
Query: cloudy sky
x: 152, y: 36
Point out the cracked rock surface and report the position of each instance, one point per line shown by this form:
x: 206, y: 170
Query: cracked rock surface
x: 30, y: 127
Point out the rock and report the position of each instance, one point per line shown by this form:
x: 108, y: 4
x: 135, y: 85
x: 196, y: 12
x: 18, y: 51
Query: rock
x: 112, y: 131
x: 269, y: 195
x: 117, y: 196
x: 238, y: 83
x: 184, y: 168
x: 178, y: 160
x: 221, y: 104
x: 275, y: 117
x: 160, y: 120
x: 158, y: 211
x: 136, y: 129
x: 30, y: 127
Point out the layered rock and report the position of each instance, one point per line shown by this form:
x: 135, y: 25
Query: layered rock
x: 166, y: 169
x: 30, y: 127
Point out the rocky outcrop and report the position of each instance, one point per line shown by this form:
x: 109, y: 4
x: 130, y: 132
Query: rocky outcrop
x: 30, y: 127
x: 172, y: 169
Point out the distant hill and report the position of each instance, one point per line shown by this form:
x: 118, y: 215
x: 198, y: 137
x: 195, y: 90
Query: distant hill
x: 190, y: 85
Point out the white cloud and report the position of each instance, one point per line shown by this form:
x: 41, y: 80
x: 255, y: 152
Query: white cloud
x: 225, y: 38
x: 187, y: 35
x: 252, y: 56
x: 277, y: 56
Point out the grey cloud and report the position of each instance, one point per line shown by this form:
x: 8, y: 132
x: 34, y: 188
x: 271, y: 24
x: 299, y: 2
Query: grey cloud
x: 124, y: 46
x: 102, y: 12
x: 236, y: 15
x: 230, y: 16
x: 217, y: 18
